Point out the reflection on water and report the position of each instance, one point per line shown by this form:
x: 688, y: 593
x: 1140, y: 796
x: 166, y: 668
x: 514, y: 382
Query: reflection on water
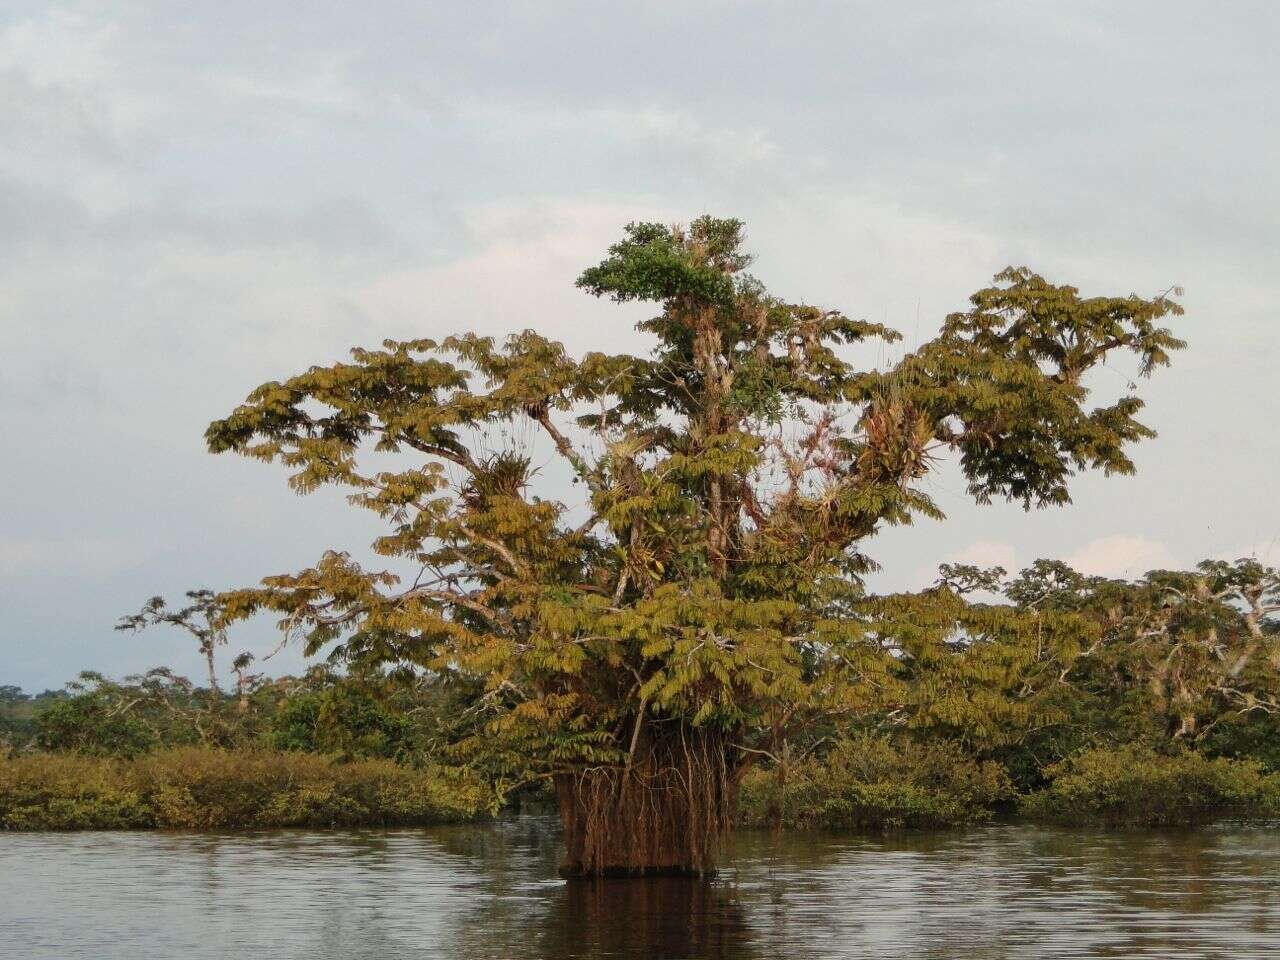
x: 491, y: 892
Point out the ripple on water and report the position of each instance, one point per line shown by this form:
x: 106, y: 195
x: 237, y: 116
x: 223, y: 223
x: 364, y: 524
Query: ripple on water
x: 479, y: 892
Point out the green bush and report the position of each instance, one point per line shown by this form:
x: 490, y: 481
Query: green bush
x: 85, y: 724
x: 870, y: 782
x: 1136, y: 786
x: 102, y: 718
x: 202, y: 788
x: 341, y: 719
x: 68, y: 792
x: 1249, y: 736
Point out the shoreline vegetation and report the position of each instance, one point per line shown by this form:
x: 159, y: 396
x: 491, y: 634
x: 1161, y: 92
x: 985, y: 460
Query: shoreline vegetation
x: 202, y: 788
x: 886, y: 789
x: 330, y: 750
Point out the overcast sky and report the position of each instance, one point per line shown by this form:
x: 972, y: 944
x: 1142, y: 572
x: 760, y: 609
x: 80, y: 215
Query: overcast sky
x: 196, y: 198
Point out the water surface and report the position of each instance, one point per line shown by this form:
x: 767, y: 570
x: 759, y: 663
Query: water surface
x: 489, y: 892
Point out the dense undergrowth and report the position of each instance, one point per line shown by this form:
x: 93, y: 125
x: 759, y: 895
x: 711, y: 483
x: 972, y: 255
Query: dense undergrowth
x: 1135, y: 786
x: 203, y: 788
x: 874, y: 784
x: 1157, y: 702
x: 152, y: 751
x: 863, y: 784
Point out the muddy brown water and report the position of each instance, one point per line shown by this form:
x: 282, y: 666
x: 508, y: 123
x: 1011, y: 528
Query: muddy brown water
x: 488, y: 892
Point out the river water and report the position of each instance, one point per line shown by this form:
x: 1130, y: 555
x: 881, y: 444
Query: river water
x: 481, y: 892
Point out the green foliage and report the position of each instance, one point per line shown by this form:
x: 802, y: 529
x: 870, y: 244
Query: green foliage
x: 341, y: 719
x: 368, y: 715
x: 1011, y: 370
x: 85, y: 725
x: 201, y: 788
x: 653, y: 263
x: 873, y: 782
x: 1126, y: 702
x: 706, y: 586
x: 729, y: 479
x: 18, y: 711
x: 103, y: 718
x: 1254, y: 735
x: 68, y: 792
x: 1175, y: 654
x: 1136, y: 786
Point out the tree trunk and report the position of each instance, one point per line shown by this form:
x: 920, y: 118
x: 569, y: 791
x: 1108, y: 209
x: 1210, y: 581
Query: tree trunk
x: 663, y: 814
x: 213, y: 677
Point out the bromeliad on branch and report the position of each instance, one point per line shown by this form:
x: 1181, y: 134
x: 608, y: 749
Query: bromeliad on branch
x: 643, y: 647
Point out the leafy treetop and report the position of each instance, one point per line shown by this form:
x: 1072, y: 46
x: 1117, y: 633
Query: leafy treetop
x: 730, y: 478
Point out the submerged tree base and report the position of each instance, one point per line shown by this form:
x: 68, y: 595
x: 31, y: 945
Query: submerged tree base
x: 663, y: 814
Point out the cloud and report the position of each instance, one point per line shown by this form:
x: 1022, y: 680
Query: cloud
x: 62, y: 47
x: 93, y: 556
x: 526, y: 256
x: 321, y: 90
x: 873, y: 256
x: 1264, y: 551
x: 669, y: 131
x: 1121, y: 556
x: 988, y: 553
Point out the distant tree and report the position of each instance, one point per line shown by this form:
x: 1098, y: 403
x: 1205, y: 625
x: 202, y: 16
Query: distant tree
x: 103, y: 717
x: 1197, y: 647
x: 246, y: 682
x: 15, y: 729
x: 199, y: 618
x: 703, y: 603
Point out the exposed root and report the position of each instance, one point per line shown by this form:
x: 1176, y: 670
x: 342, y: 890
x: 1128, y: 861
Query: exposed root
x: 666, y: 813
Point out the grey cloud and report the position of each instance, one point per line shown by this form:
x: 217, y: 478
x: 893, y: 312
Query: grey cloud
x: 33, y: 214
x: 43, y: 121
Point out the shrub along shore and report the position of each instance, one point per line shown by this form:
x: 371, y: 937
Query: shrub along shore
x: 201, y: 788
x: 866, y: 784
x: 871, y: 784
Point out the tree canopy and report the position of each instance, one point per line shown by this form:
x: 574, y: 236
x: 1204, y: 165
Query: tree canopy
x: 704, y: 585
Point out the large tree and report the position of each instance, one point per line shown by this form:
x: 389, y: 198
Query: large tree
x: 702, y: 598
